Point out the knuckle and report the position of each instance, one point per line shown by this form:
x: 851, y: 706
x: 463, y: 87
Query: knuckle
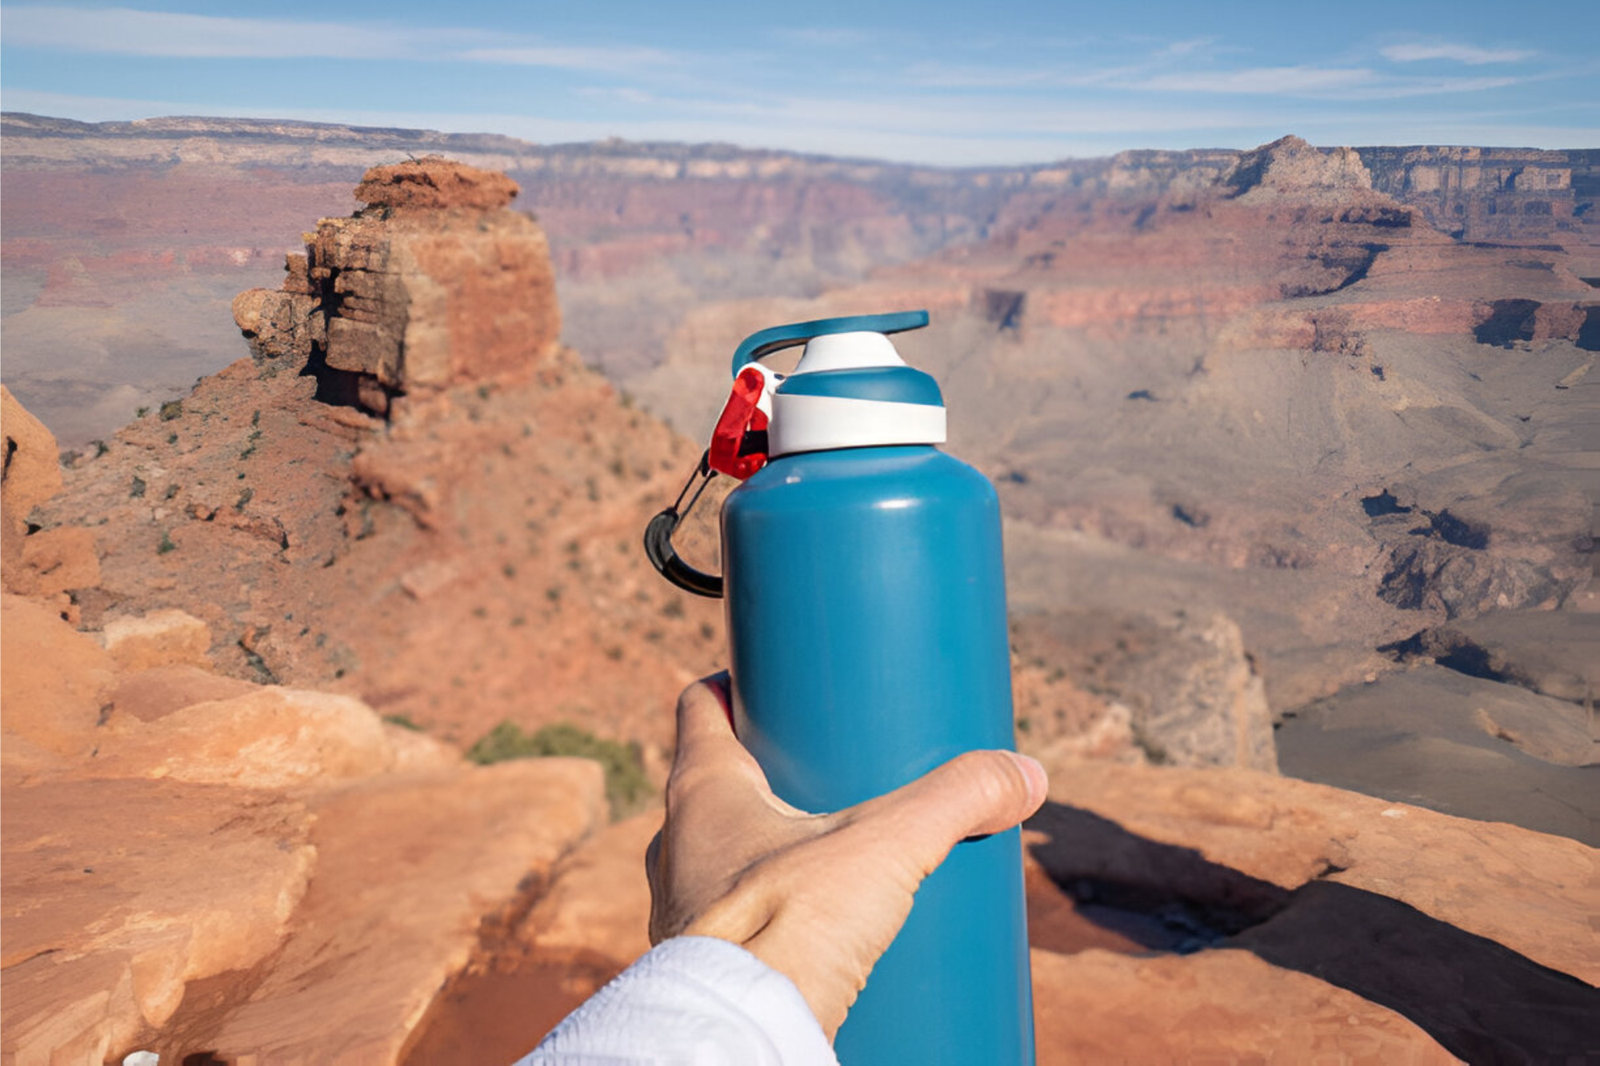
x: 992, y: 777
x: 686, y: 780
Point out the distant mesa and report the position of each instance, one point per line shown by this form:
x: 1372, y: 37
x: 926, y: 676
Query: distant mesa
x: 1290, y: 165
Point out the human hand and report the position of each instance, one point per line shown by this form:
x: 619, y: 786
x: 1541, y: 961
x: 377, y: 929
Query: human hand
x: 818, y: 897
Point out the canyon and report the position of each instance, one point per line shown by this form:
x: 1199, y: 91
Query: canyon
x: 124, y: 242
x: 1299, y: 468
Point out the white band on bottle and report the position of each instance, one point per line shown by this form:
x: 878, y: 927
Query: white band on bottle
x: 816, y: 423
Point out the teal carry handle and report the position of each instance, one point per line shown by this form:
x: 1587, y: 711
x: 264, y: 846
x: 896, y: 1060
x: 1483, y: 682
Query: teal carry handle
x: 758, y: 345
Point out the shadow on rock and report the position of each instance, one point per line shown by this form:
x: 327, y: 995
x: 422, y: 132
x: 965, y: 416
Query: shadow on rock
x: 1479, y: 999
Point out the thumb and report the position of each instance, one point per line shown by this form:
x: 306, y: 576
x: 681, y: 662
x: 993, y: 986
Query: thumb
x: 974, y: 794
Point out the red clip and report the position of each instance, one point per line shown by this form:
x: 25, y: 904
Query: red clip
x: 739, y: 443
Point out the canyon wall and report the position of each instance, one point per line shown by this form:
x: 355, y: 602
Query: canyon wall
x: 124, y: 242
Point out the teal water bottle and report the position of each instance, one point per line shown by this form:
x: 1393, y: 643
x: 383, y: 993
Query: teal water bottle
x: 865, y: 593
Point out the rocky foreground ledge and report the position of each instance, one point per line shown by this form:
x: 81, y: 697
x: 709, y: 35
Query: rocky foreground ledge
x: 224, y: 870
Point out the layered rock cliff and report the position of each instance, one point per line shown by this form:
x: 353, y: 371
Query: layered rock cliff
x: 112, y: 226
x: 434, y: 284
x: 480, y: 537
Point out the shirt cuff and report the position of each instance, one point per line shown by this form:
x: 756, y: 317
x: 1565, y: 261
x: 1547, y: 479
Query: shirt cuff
x: 696, y: 1001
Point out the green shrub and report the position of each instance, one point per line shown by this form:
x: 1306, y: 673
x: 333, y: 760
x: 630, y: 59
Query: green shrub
x: 403, y: 721
x: 627, y: 788
x: 165, y: 544
x: 171, y: 409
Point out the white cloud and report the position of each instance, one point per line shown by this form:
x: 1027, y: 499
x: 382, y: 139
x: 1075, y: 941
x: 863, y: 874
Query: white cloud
x: 1183, y: 48
x: 945, y: 76
x: 824, y: 37
x: 1318, y: 83
x: 125, y: 31
x: 619, y: 60
x: 1460, y: 53
x: 1259, y: 80
x: 1304, y: 82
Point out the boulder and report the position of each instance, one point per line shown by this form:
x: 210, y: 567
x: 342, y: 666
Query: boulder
x: 280, y: 324
x: 31, y: 475
x: 270, y: 738
x: 1219, y: 1006
x: 150, y: 694
x: 117, y: 894
x: 55, y: 561
x: 1247, y: 839
x: 1476, y: 934
x: 408, y: 869
x: 54, y: 683
x: 160, y: 638
x: 32, y: 470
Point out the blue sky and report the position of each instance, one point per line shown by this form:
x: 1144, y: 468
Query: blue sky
x: 935, y: 82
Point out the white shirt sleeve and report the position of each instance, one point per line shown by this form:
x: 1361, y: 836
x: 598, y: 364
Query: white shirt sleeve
x: 692, y: 1001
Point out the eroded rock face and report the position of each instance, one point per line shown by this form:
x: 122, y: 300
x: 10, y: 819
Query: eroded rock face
x: 1181, y: 686
x: 435, y: 184
x: 118, y: 893
x: 37, y: 562
x: 408, y: 868
x: 282, y: 324
x: 54, y: 681
x: 32, y: 472
x: 482, y: 538
x: 435, y: 283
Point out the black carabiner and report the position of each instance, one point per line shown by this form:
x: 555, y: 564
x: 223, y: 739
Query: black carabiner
x: 658, y: 539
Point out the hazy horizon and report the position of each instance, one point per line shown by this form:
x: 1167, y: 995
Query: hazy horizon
x: 1023, y: 164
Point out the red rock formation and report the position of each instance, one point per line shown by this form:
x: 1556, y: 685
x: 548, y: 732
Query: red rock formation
x: 33, y: 561
x: 435, y: 184
x: 434, y: 284
x: 482, y: 539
